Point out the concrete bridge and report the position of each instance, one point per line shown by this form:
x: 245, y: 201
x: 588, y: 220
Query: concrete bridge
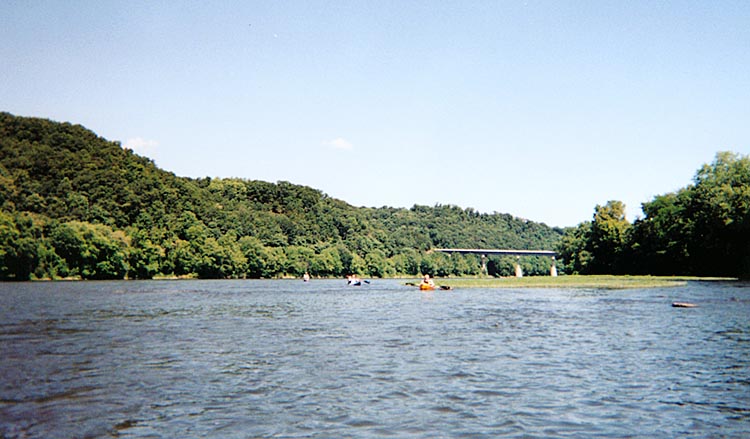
x: 499, y: 252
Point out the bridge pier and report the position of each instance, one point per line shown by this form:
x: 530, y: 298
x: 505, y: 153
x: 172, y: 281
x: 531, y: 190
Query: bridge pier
x: 499, y: 252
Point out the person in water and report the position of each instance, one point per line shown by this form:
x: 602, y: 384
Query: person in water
x: 306, y: 277
x: 427, y: 282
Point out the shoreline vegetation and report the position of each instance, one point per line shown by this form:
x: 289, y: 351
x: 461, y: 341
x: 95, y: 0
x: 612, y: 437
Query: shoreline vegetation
x: 122, y: 217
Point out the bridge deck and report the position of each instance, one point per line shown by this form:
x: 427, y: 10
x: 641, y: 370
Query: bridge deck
x: 497, y: 252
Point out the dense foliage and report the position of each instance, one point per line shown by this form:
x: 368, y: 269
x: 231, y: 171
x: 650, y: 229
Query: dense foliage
x: 702, y: 229
x: 76, y: 205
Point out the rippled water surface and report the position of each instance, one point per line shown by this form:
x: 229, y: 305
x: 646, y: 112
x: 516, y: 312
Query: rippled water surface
x: 258, y: 359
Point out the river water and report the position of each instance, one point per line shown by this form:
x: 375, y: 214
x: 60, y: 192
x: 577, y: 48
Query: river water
x: 287, y: 359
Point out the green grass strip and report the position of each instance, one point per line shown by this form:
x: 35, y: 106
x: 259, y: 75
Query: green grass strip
x: 572, y: 281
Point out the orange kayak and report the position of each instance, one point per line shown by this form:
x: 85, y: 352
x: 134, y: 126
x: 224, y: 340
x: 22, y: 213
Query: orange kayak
x: 425, y: 287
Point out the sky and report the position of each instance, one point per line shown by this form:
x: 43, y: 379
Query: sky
x: 539, y: 109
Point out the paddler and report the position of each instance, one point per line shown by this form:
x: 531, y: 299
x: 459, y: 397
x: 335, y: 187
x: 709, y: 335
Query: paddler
x: 427, y: 282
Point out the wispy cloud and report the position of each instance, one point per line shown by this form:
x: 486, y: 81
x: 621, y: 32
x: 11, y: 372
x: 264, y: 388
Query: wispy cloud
x: 339, y: 143
x: 139, y: 144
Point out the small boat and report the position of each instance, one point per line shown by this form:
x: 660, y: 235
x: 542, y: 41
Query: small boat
x: 426, y: 287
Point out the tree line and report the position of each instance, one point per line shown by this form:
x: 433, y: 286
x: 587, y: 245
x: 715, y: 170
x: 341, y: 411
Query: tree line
x: 75, y: 205
x: 702, y: 229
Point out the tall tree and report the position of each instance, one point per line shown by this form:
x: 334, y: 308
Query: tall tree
x: 609, y: 229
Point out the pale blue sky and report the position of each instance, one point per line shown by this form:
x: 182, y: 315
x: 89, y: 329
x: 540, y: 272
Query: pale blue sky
x: 540, y: 109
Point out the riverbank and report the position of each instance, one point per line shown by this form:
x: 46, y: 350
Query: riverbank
x: 575, y: 281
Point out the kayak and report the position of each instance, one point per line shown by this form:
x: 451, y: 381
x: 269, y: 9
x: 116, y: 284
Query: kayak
x: 425, y: 287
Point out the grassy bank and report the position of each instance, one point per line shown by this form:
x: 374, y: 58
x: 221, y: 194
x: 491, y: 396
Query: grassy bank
x: 571, y: 281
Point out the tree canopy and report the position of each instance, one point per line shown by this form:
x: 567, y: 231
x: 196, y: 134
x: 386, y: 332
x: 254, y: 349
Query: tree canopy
x: 73, y: 204
x: 702, y: 229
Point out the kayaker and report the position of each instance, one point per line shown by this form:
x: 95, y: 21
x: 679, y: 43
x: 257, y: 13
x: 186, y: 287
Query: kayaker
x: 353, y: 280
x: 427, y: 282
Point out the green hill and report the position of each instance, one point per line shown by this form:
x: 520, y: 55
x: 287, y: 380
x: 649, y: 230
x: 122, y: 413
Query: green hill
x: 77, y: 205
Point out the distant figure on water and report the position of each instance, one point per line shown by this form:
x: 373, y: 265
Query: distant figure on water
x: 306, y: 277
x: 427, y: 283
x: 353, y: 280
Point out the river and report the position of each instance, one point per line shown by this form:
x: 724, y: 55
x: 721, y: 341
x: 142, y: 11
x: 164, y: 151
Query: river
x: 287, y: 359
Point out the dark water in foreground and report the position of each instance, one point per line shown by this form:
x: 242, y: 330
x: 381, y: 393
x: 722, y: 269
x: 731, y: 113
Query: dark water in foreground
x: 258, y: 359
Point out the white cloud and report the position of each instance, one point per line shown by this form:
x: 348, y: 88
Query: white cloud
x: 340, y: 143
x: 139, y: 144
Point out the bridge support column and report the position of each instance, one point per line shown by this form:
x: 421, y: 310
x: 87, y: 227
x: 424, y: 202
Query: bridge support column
x: 519, y: 271
x: 484, y: 265
x: 553, y: 269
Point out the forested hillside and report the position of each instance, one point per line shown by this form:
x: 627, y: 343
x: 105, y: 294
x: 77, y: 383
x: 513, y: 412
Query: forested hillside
x: 77, y: 205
